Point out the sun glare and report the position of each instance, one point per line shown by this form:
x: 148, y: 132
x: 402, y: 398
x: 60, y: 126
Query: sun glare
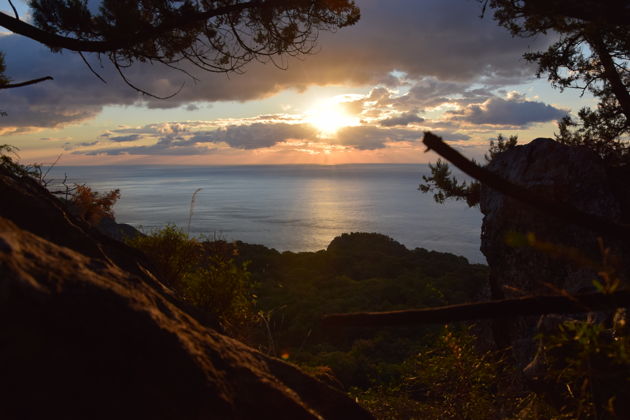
x: 329, y: 116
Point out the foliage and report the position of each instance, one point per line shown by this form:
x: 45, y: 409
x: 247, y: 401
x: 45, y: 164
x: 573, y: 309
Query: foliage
x: 591, y: 54
x: 9, y: 161
x: 203, y: 274
x: 586, y: 370
x: 221, y: 288
x: 451, y: 378
x: 444, y: 185
x: 213, y: 35
x: 4, y: 80
x: 358, y: 272
x: 94, y: 206
x: 601, y: 130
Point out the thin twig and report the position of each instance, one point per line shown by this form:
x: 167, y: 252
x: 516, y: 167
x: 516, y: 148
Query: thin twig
x: 14, y: 10
x: 91, y: 69
x: 52, y: 166
x: 144, y: 92
x: 192, y: 208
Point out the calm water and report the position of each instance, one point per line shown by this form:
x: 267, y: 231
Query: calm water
x: 288, y: 207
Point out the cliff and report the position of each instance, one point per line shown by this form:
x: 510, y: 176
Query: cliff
x: 572, y: 175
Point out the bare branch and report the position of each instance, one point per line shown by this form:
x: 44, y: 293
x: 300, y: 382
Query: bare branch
x: 497, y: 309
x: 14, y: 10
x: 91, y: 69
x: 27, y: 83
x: 561, y: 211
x: 136, y: 88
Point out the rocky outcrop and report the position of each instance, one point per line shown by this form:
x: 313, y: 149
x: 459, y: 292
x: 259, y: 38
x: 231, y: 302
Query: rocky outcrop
x: 87, y: 332
x: 119, y: 231
x: 569, y: 174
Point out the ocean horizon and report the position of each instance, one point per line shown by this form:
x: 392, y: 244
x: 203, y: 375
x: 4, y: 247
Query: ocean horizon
x: 286, y: 207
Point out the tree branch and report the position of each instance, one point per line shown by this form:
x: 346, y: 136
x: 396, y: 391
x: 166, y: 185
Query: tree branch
x: 91, y: 69
x: 498, y: 309
x: 619, y: 89
x: 561, y: 211
x: 29, y: 82
x: 611, y: 11
x: 14, y: 10
x: 126, y: 40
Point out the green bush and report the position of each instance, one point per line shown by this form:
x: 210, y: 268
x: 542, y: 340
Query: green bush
x: 203, y: 274
x: 587, y: 370
x: 449, y: 379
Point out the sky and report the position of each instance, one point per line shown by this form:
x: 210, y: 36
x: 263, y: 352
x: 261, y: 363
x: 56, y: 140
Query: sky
x: 366, y: 95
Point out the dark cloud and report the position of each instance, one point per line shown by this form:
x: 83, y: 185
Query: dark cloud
x: 371, y: 138
x: 183, y: 138
x: 430, y: 92
x: 509, y: 112
x: 166, y: 146
x: 402, y: 120
x: 129, y: 137
x: 72, y: 146
x: 258, y: 135
x: 444, y: 39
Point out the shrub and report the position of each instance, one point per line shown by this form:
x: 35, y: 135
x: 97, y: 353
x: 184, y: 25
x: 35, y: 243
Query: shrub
x: 93, y: 206
x: 451, y: 379
x: 203, y: 274
x: 587, y: 370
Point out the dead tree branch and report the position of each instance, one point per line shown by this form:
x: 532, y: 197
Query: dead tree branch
x: 498, y: 309
x: 561, y: 211
x: 28, y: 82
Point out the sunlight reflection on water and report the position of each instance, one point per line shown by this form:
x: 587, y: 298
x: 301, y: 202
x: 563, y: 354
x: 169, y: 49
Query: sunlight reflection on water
x: 288, y: 207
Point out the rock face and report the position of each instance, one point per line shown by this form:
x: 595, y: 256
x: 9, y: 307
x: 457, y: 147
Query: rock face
x: 569, y: 174
x: 87, y: 332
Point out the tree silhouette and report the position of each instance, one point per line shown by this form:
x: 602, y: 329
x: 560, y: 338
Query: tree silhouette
x: 212, y: 35
x: 591, y: 54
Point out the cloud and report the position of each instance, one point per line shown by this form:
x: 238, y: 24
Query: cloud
x: 510, y: 112
x: 371, y: 138
x: 51, y: 139
x: 403, y: 119
x: 259, y: 135
x: 181, y: 138
x: 166, y: 146
x: 442, y: 39
x: 129, y: 137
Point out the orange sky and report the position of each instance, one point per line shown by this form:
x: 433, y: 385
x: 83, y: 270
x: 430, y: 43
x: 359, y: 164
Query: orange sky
x: 366, y: 96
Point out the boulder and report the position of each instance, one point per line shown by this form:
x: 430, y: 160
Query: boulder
x: 87, y: 332
x: 573, y: 175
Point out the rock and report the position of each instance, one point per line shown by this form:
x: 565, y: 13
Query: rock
x: 573, y: 175
x: 83, y: 337
x: 31, y: 207
x: 119, y: 231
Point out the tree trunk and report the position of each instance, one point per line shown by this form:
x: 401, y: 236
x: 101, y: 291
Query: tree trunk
x: 620, y: 91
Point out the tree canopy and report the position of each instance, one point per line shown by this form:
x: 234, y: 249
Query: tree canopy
x: 213, y: 35
x: 591, y: 53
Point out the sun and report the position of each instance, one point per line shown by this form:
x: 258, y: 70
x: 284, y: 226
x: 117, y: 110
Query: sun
x: 329, y: 116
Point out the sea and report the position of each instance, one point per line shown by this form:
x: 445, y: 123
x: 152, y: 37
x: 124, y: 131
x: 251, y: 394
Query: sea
x: 286, y: 207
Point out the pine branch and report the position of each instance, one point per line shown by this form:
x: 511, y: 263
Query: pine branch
x: 561, y: 211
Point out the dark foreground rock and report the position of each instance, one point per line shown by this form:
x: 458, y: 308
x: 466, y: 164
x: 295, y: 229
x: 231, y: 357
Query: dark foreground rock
x: 573, y: 175
x: 83, y: 338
